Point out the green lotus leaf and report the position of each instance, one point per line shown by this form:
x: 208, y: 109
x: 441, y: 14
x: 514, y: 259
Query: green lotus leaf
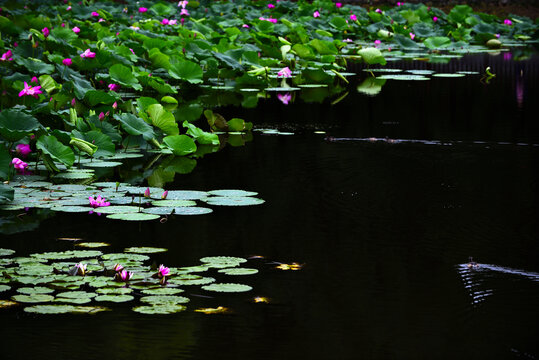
x: 372, y: 56
x: 145, y: 250
x: 232, y: 193
x: 79, y: 300
x: 49, y: 145
x: 95, y: 97
x: 437, y: 42
x: 16, y: 124
x: 227, y: 287
x: 222, y: 260
x: 123, y: 257
x: 156, y: 300
x: 404, y: 77
x: 193, y: 269
x: 194, y: 280
x: 238, y: 271
x: 74, y: 175
x: 443, y: 75
x: 70, y: 254
x: 33, y: 298
x: 71, y: 208
x: 124, y: 76
x: 114, y: 291
x: 193, y: 210
x: 233, y: 201
x: 4, y: 288
x: 92, y: 244
x: 6, y: 252
x: 35, y: 290
x: 200, y: 135
x: 135, y: 126
x: 114, y: 298
x: 180, y: 145
x: 174, y: 203
x: 118, y: 209
x: 164, y: 210
x: 187, y: 71
x: 160, y: 309
x: 162, y: 291
x: 421, y: 72
x: 133, y: 217
x: 371, y: 86
x: 64, y: 309
x: 163, y: 119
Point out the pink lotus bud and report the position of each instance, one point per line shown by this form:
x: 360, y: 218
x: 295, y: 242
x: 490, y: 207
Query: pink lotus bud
x: 115, y: 105
x: 67, y: 62
x: 23, y: 149
x: 147, y: 193
x: 435, y: 18
x: 271, y: 6
x: 94, y: 13
x: 34, y: 79
x: 63, y: 25
x: 164, y: 196
x: 76, y: 30
x: 142, y: 9
x: 73, y: 102
x: 338, y: 5
x: 316, y: 14
x: 101, y: 116
x: 163, y: 271
x: 353, y: 17
x: 118, y: 267
x: 45, y: 32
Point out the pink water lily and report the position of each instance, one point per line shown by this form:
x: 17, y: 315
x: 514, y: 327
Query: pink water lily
x: 271, y: 6
x: 285, y: 73
x: 435, y: 19
x: 412, y: 36
x: 98, y: 202
x: 7, y: 56
x: 285, y: 98
x: 316, y: 14
x: 23, y: 149
x: 163, y: 271
x: 497, y: 36
x: 173, y: 22
x: 73, y: 102
x: 353, y: 17
x: 184, y: 12
x: 338, y: 5
x: 377, y: 42
x: 378, y: 11
x: 95, y: 13
x: 76, y: 30
x: 67, y: 62
x: 19, y: 164
x: 118, y: 268
x: 164, y: 195
x: 68, y: 8
x: 34, y: 79
x: 147, y: 193
x: 81, y: 269
x: 45, y: 32
x: 101, y: 116
x: 183, y: 4
x: 268, y: 19
x: 124, y: 276
x: 508, y: 22
x: 164, y: 21
x: 87, y: 54
x: 114, y: 87
x: 245, y: 26
x: 400, y: 3
x: 29, y: 90
x: 115, y: 105
x: 142, y: 9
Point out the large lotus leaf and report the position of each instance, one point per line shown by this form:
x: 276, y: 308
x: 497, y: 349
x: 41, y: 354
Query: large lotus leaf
x: 459, y: 13
x: 63, y: 34
x: 339, y: 23
x: 95, y: 97
x: 124, y: 76
x: 180, y: 144
x: 437, y: 42
x: 174, y: 203
x: 35, y: 290
x: 56, y: 150
x: 201, y: 136
x: 135, y: 126
x: 372, y: 56
x: 227, y: 287
x: 6, y: 193
x: 35, y: 66
x: 16, y: 124
x: 163, y: 291
x: 81, y: 86
x: 163, y: 119
x: 186, y: 195
x: 160, y: 309
x: 48, y: 84
x: 114, y: 291
x: 304, y: 51
x: 181, y: 165
x: 238, y: 271
x: 187, y: 71
x: 114, y: 298
x: 324, y: 47
x: 104, y: 144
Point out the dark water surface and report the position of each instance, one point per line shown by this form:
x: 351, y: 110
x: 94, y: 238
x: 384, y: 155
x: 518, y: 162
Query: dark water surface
x: 384, y: 229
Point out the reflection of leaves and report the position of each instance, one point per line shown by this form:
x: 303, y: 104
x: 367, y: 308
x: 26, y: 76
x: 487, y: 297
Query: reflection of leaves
x: 371, y: 86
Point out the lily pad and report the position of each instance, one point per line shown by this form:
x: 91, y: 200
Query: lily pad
x: 194, y: 210
x: 195, y: 280
x: 186, y: 195
x: 35, y: 290
x: 227, y: 287
x: 404, y: 77
x: 114, y: 298
x: 443, y: 75
x: 156, y: 300
x: 159, y: 210
x: 72, y: 208
x: 6, y: 252
x: 120, y: 209
x: 232, y: 193
x: 174, y: 203
x: 64, y: 309
x: 114, y: 291
x: 4, y: 288
x: 103, y: 164
x: 222, y: 260
x: 92, y: 244
x: 233, y: 201
x: 75, y: 294
x: 160, y: 309
x: 145, y: 250
x: 33, y: 298
x: 134, y: 217
x: 162, y: 291
x: 70, y: 254
x: 239, y: 271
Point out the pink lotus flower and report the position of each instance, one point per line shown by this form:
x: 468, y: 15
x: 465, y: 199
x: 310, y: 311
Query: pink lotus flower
x: 400, y: 3
x: 316, y: 14
x: 63, y: 25
x: 87, y: 54
x: 76, y: 30
x: 163, y: 271
x: 497, y: 36
x: 19, y: 164
x: 164, y: 196
x: 98, y: 202
x: 271, y: 6
x: 94, y: 13
x: 101, y: 20
x: 164, y: 21
x: 285, y: 73
x: 7, y: 56
x: 183, y: 4
x: 412, y: 36
x: 118, y: 268
x: 147, y: 193
x: 23, y: 149
x: 378, y: 11
x: 114, y: 87
x: 182, y: 20
x: 338, y: 5
x: 73, y: 102
x: 67, y: 62
x: 269, y: 19
x: 353, y: 17
x: 68, y: 8
x: 173, y: 22
x: 142, y: 9
x: 81, y: 269
x: 34, y: 79
x: 435, y: 19
x: 124, y: 276
x: 245, y: 26
x: 29, y: 90
x: 184, y: 12
x: 508, y: 22
x: 348, y: 40
x: 377, y: 42
x: 101, y: 116
x: 15, y: 44
x: 285, y: 99
x: 45, y: 32
x: 115, y: 105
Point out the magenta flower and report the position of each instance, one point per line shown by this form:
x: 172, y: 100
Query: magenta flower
x: 142, y: 9
x: 81, y: 269
x: 147, y: 193
x: 184, y: 12
x: 68, y: 8
x: 118, y: 268
x: 353, y: 17
x: 164, y: 21
x: 101, y: 116
x: 115, y: 105
x: 98, y: 202
x: 400, y: 3
x: 508, y: 22
x: 132, y: 52
x: 23, y: 149
x: 182, y: 21
x: 316, y: 14
x: 245, y: 26
x: 412, y: 36
x: 164, y: 196
x: 76, y: 30
x: 163, y: 271
x: 435, y: 19
x: 271, y: 6
x: 73, y: 102
x: 285, y: 99
x: 497, y: 36
x: 338, y: 5
x: 348, y: 40
x: 67, y: 62
x: 94, y: 13
x: 378, y: 11
x: 114, y: 87
x: 87, y: 54
x: 101, y: 20
x: 173, y: 22
x: 377, y: 42
x: 63, y: 25
x: 124, y: 276
x: 45, y: 32
x: 183, y: 4
x: 19, y: 164
x: 285, y: 73
x: 34, y: 79
x: 7, y: 56
x: 29, y: 90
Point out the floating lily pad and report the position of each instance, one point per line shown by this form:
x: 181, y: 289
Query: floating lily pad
x: 72, y: 209
x: 174, y: 203
x: 139, y: 190
x: 233, y: 201
x: 383, y: 70
x: 6, y: 252
x: 92, y: 244
x: 103, y: 164
x: 404, y: 77
x: 120, y: 257
x: 222, y: 260
x: 468, y: 72
x: 193, y: 269
x: 232, y: 193
x: 160, y: 309
x: 70, y: 188
x: 195, y: 280
x: 239, y: 271
x: 120, y: 209
x: 162, y: 291
x: 282, y: 89
x: 134, y: 217
x: 421, y: 72
x: 227, y: 287
x: 70, y: 254
x: 186, y: 195
x: 156, y: 300
x: 4, y: 288
x: 75, y: 294
x: 114, y: 298
x: 64, y: 309
x: 194, y: 210
x: 74, y: 175
x: 313, y: 85
x: 145, y: 250
x: 35, y: 290
x: 443, y: 75
x: 115, y: 291
x: 32, y: 298
x: 160, y: 210
x: 81, y: 300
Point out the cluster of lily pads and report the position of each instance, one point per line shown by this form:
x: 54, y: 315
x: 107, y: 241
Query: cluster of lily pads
x: 82, y: 80
x: 67, y: 281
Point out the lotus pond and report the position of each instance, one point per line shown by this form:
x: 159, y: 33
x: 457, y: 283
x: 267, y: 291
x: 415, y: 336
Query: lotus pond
x: 283, y: 179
